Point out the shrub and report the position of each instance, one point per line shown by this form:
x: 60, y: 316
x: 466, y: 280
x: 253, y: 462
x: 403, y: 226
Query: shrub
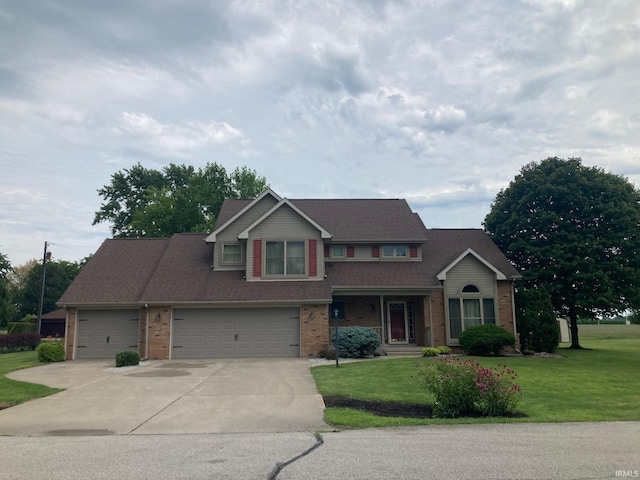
x: 50, y: 352
x: 537, y: 323
x: 485, y: 340
x: 15, y: 342
x: 357, y: 342
x: 21, y: 327
x: 444, y: 349
x: 464, y: 387
x: 430, y: 352
x: 125, y: 359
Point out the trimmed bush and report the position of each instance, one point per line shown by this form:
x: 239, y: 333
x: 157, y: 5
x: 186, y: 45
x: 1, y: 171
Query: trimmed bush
x: 444, y: 349
x: 21, y: 327
x: 50, y: 352
x: 430, y: 352
x: 357, y: 342
x: 128, y: 358
x: 484, y: 340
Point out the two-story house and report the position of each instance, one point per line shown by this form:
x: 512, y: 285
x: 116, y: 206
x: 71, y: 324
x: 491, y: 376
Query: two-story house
x: 274, y: 276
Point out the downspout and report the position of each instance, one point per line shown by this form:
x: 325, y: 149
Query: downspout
x: 430, y: 322
x: 513, y: 313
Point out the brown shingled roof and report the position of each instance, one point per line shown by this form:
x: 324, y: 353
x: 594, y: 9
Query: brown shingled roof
x: 117, y: 273
x: 352, y: 220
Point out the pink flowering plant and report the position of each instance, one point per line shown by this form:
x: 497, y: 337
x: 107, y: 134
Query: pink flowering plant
x: 464, y: 387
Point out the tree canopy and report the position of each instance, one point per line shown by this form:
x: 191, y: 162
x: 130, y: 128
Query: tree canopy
x: 141, y: 202
x: 575, y: 231
x: 26, y: 295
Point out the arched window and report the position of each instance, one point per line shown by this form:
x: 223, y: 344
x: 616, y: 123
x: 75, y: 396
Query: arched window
x: 470, y: 289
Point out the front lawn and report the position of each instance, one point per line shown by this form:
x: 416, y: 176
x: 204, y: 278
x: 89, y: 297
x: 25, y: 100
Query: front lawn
x: 600, y: 384
x: 13, y: 392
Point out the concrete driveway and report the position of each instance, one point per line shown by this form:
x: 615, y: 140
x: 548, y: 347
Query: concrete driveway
x: 169, y: 397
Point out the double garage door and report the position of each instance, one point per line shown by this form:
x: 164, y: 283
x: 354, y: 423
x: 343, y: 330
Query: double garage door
x: 104, y: 333
x: 236, y: 333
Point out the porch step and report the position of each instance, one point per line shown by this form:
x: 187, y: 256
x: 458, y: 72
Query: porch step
x: 403, y: 350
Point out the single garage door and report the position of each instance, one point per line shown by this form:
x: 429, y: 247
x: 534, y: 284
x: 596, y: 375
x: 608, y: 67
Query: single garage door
x: 236, y: 333
x: 104, y: 333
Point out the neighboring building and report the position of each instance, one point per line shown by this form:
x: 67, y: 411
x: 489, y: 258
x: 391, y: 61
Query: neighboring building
x: 273, y: 275
x: 52, y: 324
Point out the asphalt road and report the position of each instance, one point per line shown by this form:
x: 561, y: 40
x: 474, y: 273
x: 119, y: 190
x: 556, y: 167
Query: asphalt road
x: 577, y: 451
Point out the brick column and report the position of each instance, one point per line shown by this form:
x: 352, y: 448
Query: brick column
x: 505, y: 306
x: 314, y: 329
x: 70, y: 333
x: 159, y: 333
x: 437, y: 310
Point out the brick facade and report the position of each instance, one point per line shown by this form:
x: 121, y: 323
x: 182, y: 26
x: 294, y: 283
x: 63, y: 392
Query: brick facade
x: 505, y: 306
x: 314, y: 329
x: 159, y: 333
x: 439, y: 320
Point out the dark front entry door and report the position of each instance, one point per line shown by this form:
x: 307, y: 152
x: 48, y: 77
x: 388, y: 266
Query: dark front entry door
x: 397, y: 322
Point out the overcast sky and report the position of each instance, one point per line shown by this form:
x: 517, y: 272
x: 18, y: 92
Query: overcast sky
x: 439, y: 102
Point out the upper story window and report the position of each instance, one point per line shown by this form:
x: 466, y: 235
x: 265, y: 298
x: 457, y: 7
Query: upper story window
x: 395, y: 251
x: 231, y: 253
x: 337, y: 251
x: 285, y: 258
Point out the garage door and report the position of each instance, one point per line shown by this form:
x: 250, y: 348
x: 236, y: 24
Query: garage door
x: 236, y: 333
x: 104, y: 333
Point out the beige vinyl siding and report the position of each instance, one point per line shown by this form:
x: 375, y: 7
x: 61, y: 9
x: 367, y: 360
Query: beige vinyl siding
x: 230, y: 234
x: 285, y: 224
x: 470, y: 271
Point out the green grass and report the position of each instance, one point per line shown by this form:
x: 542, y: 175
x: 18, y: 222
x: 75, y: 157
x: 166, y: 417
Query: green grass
x: 603, y: 332
x: 600, y: 384
x: 13, y: 392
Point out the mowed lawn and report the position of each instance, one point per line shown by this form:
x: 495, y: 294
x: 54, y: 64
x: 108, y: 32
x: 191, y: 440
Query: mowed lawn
x: 13, y: 392
x: 599, y: 384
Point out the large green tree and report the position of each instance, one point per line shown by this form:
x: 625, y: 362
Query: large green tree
x: 575, y: 231
x: 141, y: 202
x: 59, y: 276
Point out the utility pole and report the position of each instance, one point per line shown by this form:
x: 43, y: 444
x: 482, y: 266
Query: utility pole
x: 46, y: 256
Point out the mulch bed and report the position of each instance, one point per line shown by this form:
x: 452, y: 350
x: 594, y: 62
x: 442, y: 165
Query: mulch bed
x: 380, y: 408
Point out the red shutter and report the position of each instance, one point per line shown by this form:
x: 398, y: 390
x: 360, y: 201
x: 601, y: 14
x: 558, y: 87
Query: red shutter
x: 326, y: 251
x: 375, y: 251
x: 257, y: 258
x: 350, y: 251
x: 313, y: 258
x: 413, y: 251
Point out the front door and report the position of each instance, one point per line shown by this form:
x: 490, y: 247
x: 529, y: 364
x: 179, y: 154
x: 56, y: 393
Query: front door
x: 397, y: 315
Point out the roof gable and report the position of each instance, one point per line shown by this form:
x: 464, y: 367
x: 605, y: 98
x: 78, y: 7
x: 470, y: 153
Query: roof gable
x: 245, y: 233
x: 442, y: 275
x: 226, y: 222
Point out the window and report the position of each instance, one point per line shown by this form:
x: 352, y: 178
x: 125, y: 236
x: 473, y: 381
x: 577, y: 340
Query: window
x: 394, y: 251
x: 285, y: 258
x: 466, y: 312
x: 337, y: 251
x: 231, y: 253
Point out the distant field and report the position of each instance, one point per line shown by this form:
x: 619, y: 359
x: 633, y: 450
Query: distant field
x: 603, y: 332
